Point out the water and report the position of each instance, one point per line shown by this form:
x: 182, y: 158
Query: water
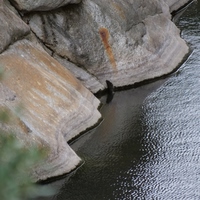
x: 148, y: 146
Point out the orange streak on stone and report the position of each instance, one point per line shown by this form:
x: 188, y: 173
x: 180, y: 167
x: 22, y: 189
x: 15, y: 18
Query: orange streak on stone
x: 104, y: 33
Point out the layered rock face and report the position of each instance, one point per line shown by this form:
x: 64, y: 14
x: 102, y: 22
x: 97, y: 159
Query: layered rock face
x: 56, y: 107
x: 45, y: 54
x: 124, y: 42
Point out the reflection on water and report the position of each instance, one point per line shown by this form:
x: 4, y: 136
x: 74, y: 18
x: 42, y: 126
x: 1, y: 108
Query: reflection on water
x: 110, y: 150
x: 146, y: 149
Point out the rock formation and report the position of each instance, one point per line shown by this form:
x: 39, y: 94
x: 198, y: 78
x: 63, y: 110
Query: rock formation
x: 124, y: 42
x: 53, y: 56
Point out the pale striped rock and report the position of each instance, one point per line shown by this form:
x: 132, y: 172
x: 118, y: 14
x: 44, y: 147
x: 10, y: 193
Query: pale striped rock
x: 56, y: 107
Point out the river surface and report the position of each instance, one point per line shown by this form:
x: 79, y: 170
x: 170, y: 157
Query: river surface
x: 148, y: 146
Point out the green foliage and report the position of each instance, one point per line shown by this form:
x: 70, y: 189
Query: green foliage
x: 4, y: 117
x: 15, y: 163
x: 1, y: 73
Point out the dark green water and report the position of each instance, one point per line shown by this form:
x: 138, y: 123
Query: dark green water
x: 148, y: 146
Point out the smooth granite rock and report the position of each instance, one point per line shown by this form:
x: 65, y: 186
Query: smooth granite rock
x: 122, y: 41
x: 12, y: 27
x: 41, y: 5
x: 56, y: 106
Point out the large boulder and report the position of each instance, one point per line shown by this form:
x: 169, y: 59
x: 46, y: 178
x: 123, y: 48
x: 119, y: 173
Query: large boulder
x: 41, y: 5
x: 56, y: 106
x: 122, y: 41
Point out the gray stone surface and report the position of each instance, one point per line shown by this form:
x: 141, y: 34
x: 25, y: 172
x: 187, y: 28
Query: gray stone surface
x: 12, y: 27
x: 122, y: 41
x: 41, y: 5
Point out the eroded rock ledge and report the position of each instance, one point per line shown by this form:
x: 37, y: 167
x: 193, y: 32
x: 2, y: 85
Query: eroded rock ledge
x: 59, y: 52
x: 56, y: 107
x: 124, y: 42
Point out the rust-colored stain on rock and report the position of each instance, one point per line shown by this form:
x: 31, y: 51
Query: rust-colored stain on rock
x: 104, y: 33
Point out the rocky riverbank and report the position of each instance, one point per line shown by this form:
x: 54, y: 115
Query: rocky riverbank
x: 55, y: 54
